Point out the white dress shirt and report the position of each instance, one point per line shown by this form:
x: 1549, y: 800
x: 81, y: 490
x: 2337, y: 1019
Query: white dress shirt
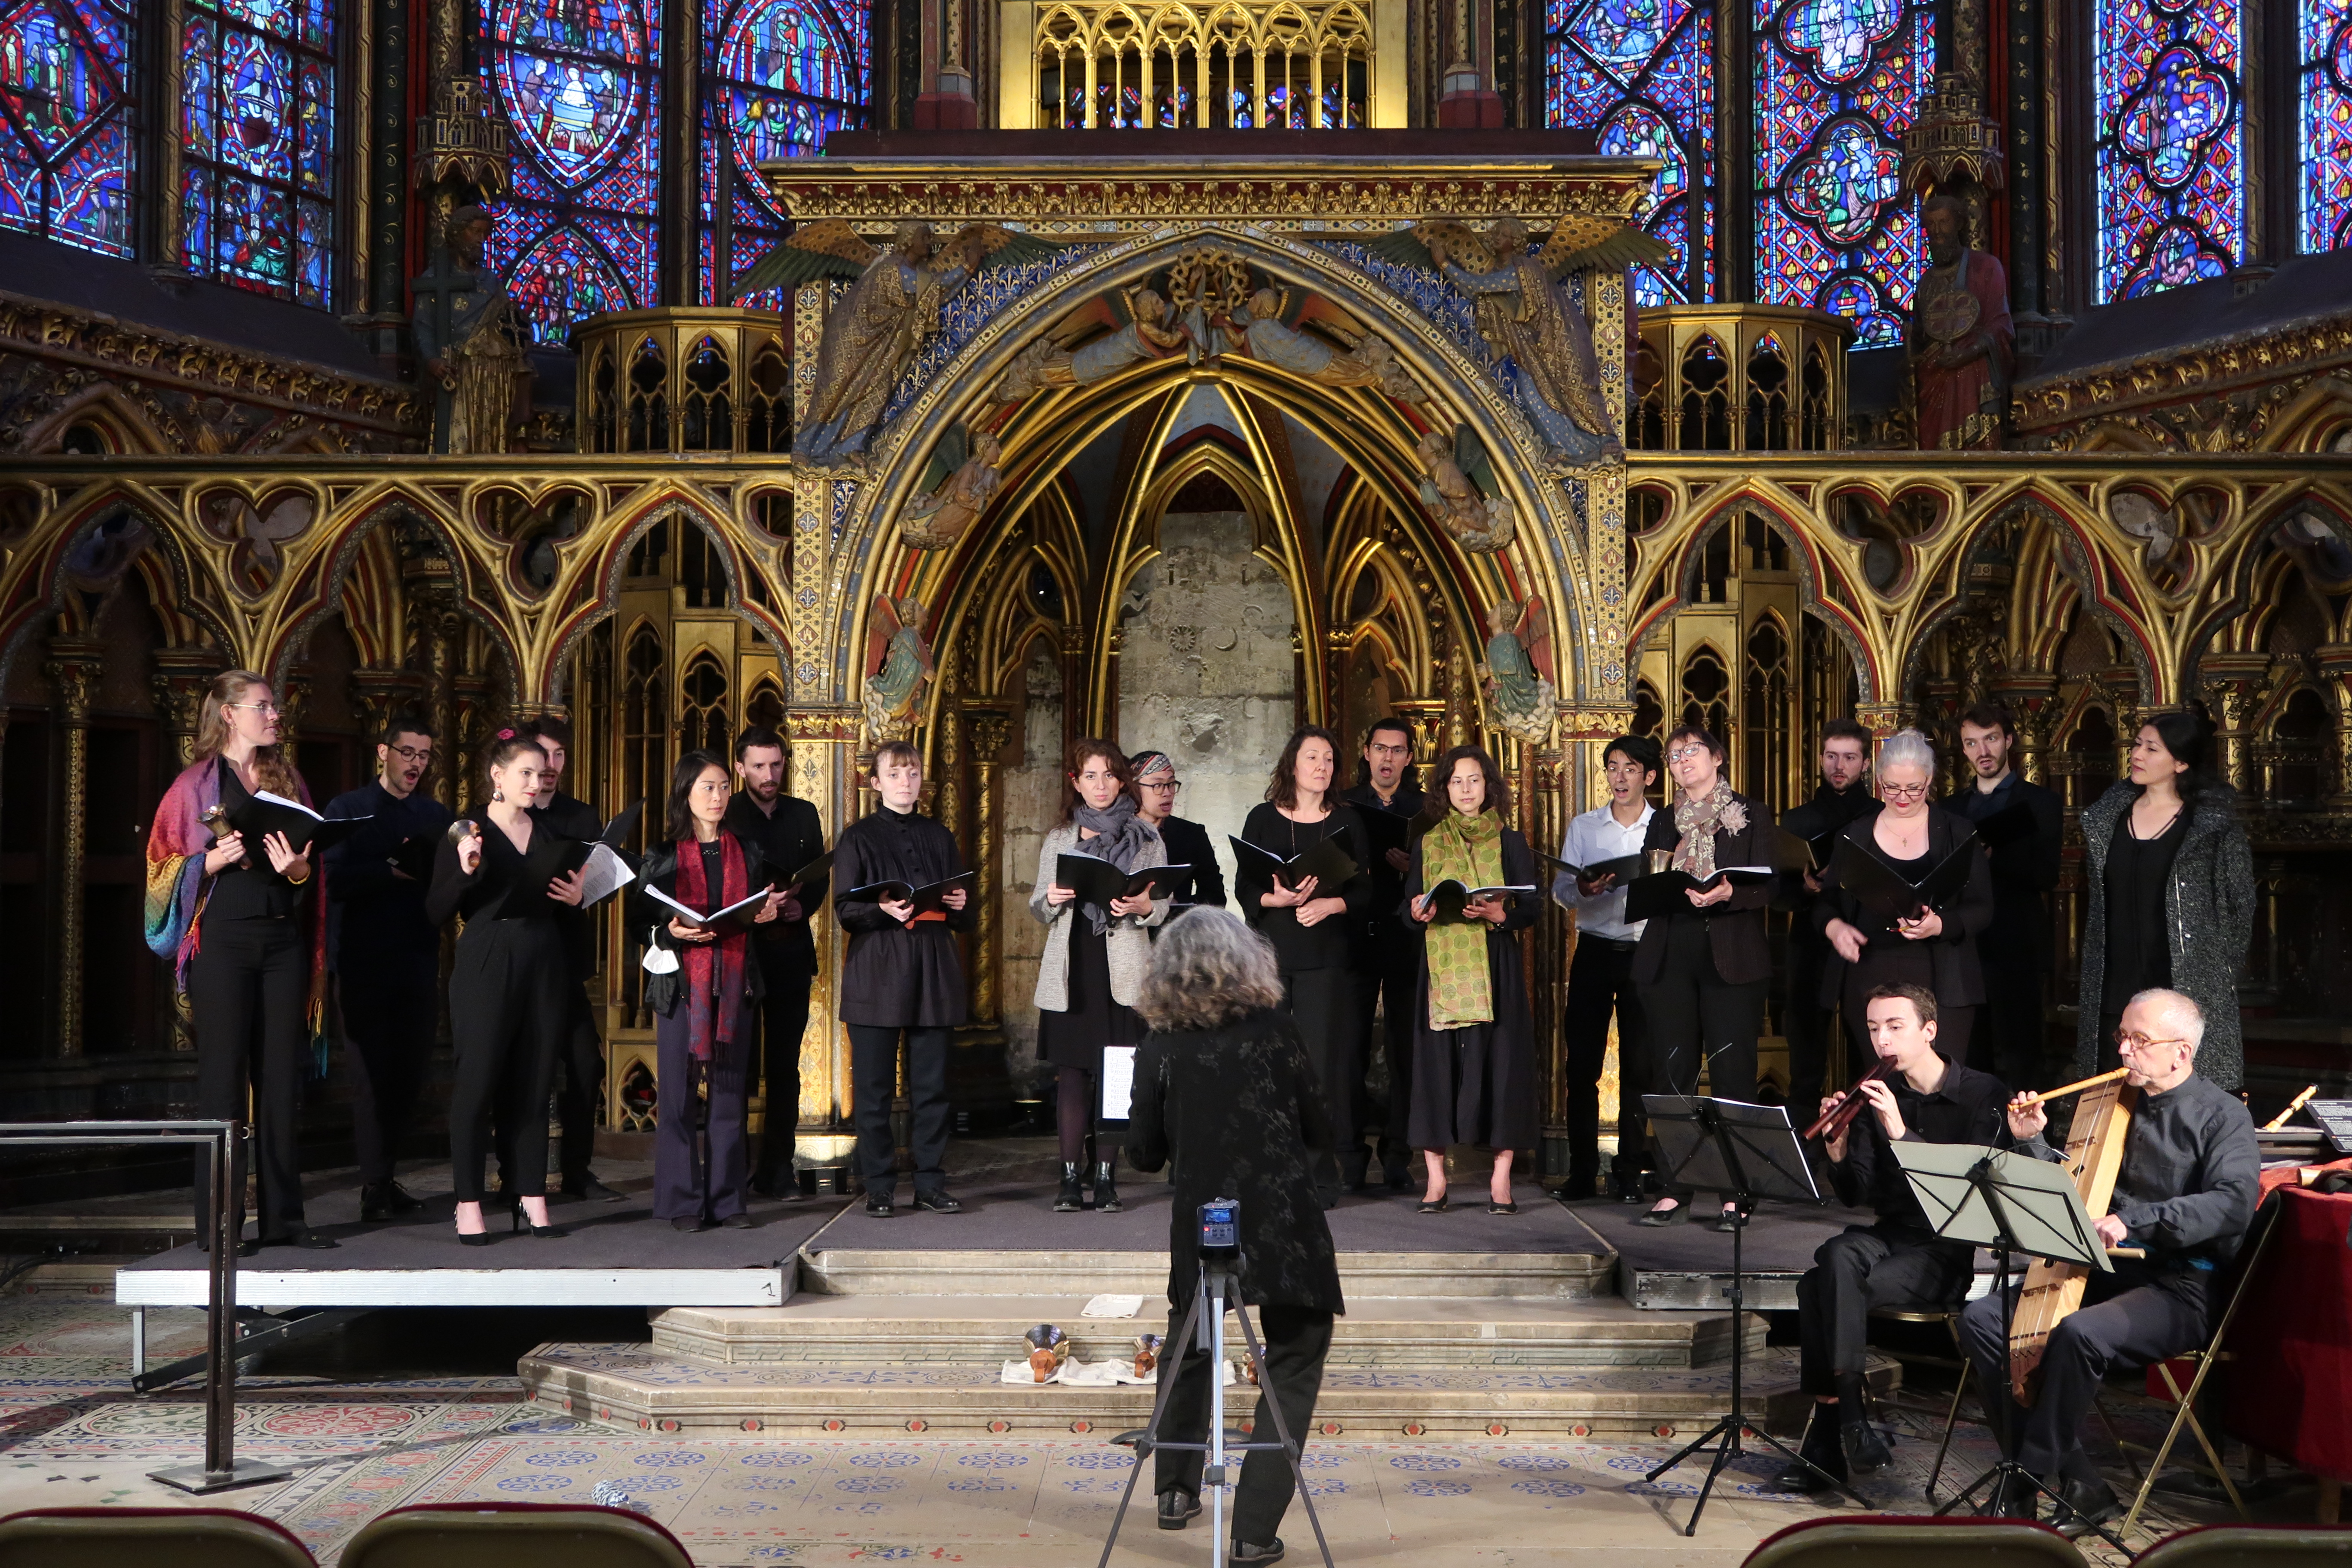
x: 1592, y: 837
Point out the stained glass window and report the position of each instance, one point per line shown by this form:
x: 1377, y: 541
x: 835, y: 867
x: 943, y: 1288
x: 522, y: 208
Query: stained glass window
x: 578, y: 79
x: 2170, y: 162
x: 1640, y: 73
x: 1837, y: 83
x: 65, y: 120
x: 258, y: 122
x: 2327, y: 114
x: 784, y: 73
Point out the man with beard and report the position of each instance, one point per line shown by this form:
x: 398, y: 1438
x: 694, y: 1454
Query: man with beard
x: 582, y: 1054
x: 385, y: 954
x: 1844, y: 794
x: 2015, y: 949
x: 1389, y: 953
x: 790, y: 834
x: 1959, y: 337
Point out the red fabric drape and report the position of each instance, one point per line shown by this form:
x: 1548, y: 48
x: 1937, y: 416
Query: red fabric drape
x: 2289, y: 1389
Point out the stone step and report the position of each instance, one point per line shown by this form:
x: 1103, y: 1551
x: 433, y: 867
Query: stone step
x: 633, y: 1386
x: 1397, y: 1333
x: 1541, y: 1276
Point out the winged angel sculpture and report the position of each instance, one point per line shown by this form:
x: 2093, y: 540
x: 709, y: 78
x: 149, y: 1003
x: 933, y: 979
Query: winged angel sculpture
x: 874, y: 332
x: 1517, y: 670
x: 1529, y: 319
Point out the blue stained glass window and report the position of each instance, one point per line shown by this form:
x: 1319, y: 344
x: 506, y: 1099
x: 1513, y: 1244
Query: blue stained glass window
x: 2326, y: 111
x: 2170, y: 162
x: 258, y: 123
x: 1640, y: 73
x: 785, y: 74
x: 65, y: 120
x: 579, y: 81
x: 1837, y: 83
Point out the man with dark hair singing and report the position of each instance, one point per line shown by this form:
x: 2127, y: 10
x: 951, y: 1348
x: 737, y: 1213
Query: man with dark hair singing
x: 1844, y: 794
x: 2015, y: 949
x: 790, y: 836
x: 1920, y: 1098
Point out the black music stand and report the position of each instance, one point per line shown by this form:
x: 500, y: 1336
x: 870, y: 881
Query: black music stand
x: 1745, y: 1153
x: 2009, y: 1203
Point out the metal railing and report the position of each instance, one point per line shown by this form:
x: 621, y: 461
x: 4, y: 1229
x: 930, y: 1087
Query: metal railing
x: 223, y: 1218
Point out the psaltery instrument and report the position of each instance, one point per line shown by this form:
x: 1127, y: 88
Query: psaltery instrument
x: 1833, y: 1122
x: 2094, y: 1157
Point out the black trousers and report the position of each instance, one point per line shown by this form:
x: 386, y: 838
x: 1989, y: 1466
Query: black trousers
x: 248, y: 994
x: 1389, y: 991
x: 1295, y: 1340
x: 783, y: 1020
x: 2129, y: 1318
x: 1322, y: 1004
x: 1600, y: 983
x: 874, y: 1081
x: 1806, y: 1024
x: 684, y: 1186
x: 2007, y: 1040
x: 508, y: 1010
x: 388, y: 1005
x: 1690, y: 1014
x: 1861, y: 1268
x: 579, y: 1057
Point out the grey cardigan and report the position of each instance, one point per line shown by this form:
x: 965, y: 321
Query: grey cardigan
x: 2208, y: 905
x: 1129, y: 950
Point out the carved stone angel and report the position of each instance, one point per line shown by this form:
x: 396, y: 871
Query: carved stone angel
x: 1148, y: 332
x: 1529, y: 319
x: 1371, y: 362
x: 936, y: 520
x: 1518, y: 672
x: 1482, y: 523
x: 874, y: 332
x: 897, y: 664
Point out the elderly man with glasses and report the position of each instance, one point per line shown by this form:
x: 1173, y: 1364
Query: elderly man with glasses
x: 2186, y: 1194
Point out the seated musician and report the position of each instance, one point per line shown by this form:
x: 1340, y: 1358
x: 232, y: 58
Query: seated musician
x: 2186, y: 1193
x: 1897, y: 1262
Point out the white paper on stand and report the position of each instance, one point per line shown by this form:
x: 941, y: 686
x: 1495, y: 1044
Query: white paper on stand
x: 1111, y: 1307
x: 1118, y: 1081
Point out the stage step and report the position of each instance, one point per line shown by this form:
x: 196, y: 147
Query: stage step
x: 1426, y: 1276
x: 1398, y: 1333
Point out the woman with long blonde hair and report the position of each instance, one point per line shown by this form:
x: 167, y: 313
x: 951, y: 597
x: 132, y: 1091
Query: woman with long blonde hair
x: 247, y: 940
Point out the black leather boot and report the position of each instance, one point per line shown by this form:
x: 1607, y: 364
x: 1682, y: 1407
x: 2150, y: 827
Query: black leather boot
x: 1070, y: 1199
x: 1106, y: 1190
x: 1820, y: 1447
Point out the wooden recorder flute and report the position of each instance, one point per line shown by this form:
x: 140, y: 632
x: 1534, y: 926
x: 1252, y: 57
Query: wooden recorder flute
x: 2064, y: 1089
x: 2278, y: 1122
x: 1839, y: 1117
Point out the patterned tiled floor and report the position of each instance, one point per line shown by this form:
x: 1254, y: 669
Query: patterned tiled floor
x: 71, y: 1434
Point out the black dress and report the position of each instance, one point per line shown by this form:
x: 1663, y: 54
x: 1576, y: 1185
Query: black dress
x: 1075, y: 1036
x: 1477, y: 1084
x: 2140, y: 950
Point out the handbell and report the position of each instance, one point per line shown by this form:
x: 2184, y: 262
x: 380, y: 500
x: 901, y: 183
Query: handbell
x: 463, y: 829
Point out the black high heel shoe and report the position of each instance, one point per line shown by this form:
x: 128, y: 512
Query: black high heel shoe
x: 1658, y: 1217
x: 544, y: 1232
x: 474, y: 1238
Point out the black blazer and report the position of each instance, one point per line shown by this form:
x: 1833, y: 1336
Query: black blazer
x: 1734, y: 928
x: 652, y: 919
x: 1959, y: 977
x: 1188, y: 844
x: 1237, y: 1108
x: 789, y: 839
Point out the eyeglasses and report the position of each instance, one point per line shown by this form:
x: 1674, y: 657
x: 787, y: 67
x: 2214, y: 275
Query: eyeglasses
x: 1381, y: 749
x: 1902, y: 791
x: 1683, y: 754
x: 257, y: 707
x: 2140, y: 1042
x: 1170, y: 786
x: 412, y: 753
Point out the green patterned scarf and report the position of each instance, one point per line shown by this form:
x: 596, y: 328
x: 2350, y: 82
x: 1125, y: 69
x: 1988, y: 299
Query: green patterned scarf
x: 1467, y: 849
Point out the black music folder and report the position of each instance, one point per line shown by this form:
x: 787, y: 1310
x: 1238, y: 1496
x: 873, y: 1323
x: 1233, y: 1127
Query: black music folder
x: 1660, y: 893
x: 929, y: 899
x: 1887, y: 893
x: 1327, y: 862
x: 1449, y: 897
x: 735, y: 917
x: 1098, y: 881
x: 258, y: 812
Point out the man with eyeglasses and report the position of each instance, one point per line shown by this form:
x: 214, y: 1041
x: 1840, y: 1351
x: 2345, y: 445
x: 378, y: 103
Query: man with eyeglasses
x: 1600, y: 974
x: 2190, y: 1178
x: 385, y: 954
x: 1186, y: 842
x: 1842, y: 795
x: 1388, y: 963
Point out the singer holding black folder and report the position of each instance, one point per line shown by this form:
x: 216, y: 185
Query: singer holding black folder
x: 385, y: 954
x: 507, y: 1006
x: 1312, y: 926
x: 901, y: 974
x: 1095, y: 956
x: 702, y: 998
x: 792, y: 836
x: 250, y: 950
x: 1702, y: 970
x: 1936, y: 949
x: 1473, y: 1074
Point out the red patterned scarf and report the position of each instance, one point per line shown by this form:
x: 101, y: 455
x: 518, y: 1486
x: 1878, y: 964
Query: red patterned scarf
x: 713, y: 969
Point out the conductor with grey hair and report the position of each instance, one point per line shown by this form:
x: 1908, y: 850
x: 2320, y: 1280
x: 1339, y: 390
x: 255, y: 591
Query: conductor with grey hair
x: 1226, y: 1095
x: 2190, y: 1178
x: 1939, y: 949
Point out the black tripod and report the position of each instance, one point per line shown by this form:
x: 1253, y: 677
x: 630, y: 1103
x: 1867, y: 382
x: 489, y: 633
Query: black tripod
x: 1706, y: 1134
x: 1216, y: 1293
